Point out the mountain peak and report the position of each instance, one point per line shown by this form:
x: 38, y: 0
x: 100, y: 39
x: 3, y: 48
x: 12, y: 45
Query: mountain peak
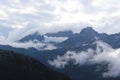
x: 88, y: 30
x: 31, y: 37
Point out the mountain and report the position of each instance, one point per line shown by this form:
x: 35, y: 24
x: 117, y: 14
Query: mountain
x: 32, y: 37
x: 76, y: 42
x: 85, y: 37
x: 113, y: 40
x: 48, y: 37
x: 88, y: 36
x: 60, y: 34
x: 14, y: 66
x: 88, y: 31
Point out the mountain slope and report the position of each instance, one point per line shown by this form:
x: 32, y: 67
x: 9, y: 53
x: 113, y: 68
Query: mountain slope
x: 85, y: 37
x: 88, y: 36
x: 14, y: 66
x: 32, y: 37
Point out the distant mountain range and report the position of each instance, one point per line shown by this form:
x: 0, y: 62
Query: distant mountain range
x: 87, y: 36
x: 74, y: 42
x: 41, y: 37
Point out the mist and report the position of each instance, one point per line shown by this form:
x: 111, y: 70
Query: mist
x: 103, y: 53
x: 30, y: 44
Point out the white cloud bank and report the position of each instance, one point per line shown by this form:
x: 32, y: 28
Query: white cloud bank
x: 30, y: 44
x: 45, y: 14
x: 55, y: 39
x: 103, y: 53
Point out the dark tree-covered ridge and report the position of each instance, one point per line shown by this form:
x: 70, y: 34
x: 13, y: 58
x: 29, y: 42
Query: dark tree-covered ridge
x: 14, y: 66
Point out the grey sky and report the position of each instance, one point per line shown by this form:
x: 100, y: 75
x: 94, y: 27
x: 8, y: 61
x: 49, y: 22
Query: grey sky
x: 51, y: 15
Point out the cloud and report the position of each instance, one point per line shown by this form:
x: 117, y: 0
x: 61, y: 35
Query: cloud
x: 24, y: 16
x: 30, y: 44
x: 104, y: 53
x: 55, y: 39
x: 17, y: 34
x: 54, y: 12
x: 49, y: 47
x: 4, y: 30
x: 19, y: 25
x: 2, y: 38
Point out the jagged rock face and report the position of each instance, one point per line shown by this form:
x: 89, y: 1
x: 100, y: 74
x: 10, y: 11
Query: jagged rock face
x: 88, y: 31
x: 19, y: 67
x: 32, y: 37
x: 37, y: 36
x: 88, y: 36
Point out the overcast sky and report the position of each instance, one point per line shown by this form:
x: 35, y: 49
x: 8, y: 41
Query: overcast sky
x: 18, y: 16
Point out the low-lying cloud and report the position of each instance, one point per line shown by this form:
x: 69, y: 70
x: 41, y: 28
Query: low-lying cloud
x: 30, y: 44
x: 102, y: 53
x: 55, y: 39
